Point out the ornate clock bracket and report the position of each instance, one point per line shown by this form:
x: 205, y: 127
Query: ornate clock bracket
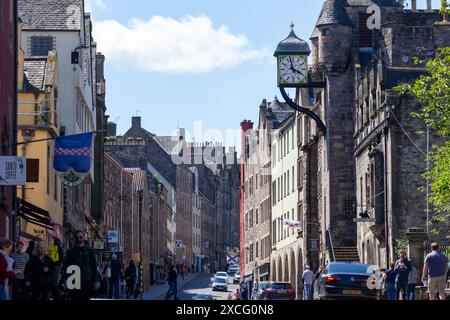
x: 303, y: 110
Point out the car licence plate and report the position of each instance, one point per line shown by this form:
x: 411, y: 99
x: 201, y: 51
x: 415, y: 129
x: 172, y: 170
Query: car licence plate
x: 352, y: 292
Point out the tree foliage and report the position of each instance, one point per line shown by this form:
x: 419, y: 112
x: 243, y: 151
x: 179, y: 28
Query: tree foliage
x: 432, y: 90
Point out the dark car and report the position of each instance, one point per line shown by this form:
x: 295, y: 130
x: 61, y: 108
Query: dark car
x: 203, y: 297
x: 340, y: 280
x: 269, y: 290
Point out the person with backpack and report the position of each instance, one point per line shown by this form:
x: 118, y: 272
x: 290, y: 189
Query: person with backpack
x: 56, y: 253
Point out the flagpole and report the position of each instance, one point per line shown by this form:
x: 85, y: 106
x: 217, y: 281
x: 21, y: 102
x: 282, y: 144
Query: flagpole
x: 53, y: 138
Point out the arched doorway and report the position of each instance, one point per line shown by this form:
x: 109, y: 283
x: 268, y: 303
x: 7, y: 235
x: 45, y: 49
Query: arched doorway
x: 292, y: 270
x: 299, y: 285
x: 279, y: 269
x: 286, y: 268
x: 273, y: 270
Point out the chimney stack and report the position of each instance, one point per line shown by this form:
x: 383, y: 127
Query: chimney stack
x: 136, y: 122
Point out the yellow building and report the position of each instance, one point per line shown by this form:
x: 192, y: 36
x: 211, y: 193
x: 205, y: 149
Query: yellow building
x: 41, y: 200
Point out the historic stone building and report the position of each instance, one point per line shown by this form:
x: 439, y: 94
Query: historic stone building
x: 8, y: 106
x: 390, y: 156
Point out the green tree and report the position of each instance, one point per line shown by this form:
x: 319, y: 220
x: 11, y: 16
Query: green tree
x: 432, y: 90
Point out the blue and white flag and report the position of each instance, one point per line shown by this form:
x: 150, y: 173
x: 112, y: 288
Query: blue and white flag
x: 73, y: 153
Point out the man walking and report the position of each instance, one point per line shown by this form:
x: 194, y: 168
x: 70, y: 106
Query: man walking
x: 21, y: 259
x: 402, y: 268
x: 308, y: 280
x: 83, y: 256
x: 436, y: 268
x: 116, y: 275
x: 172, y: 278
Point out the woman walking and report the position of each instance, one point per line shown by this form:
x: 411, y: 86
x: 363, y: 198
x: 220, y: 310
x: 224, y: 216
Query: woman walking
x: 39, y: 273
x: 388, y: 280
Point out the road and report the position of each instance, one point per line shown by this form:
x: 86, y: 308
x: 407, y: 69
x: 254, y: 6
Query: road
x: 203, y: 285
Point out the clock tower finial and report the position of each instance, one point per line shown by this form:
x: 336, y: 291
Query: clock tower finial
x: 292, y: 25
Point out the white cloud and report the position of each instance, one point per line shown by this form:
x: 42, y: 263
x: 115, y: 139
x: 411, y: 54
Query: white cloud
x: 188, y: 45
x: 91, y: 4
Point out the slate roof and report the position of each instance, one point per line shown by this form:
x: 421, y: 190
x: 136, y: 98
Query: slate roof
x: 34, y: 69
x: 138, y: 178
x: 281, y: 111
x: 333, y: 12
x: 170, y: 144
x: 51, y: 14
x: 292, y: 44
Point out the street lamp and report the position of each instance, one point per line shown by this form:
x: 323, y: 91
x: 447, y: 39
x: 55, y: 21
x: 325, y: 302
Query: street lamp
x: 292, y: 64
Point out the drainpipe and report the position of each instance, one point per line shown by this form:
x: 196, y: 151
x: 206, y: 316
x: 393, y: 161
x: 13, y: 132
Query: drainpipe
x: 386, y: 221
x: 16, y: 108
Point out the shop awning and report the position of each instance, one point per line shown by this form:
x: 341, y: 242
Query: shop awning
x: 35, y: 215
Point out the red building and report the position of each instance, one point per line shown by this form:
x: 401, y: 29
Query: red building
x: 246, y: 126
x: 8, y: 104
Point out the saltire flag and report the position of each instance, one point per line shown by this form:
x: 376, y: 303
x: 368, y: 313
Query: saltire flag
x: 73, y: 153
x: 292, y: 224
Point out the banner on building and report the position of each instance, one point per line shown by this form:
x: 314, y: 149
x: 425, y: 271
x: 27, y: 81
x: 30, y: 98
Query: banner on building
x: 13, y: 171
x: 73, y: 157
x: 113, y: 236
x: 291, y: 224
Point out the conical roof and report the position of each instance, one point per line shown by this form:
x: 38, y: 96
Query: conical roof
x: 333, y: 12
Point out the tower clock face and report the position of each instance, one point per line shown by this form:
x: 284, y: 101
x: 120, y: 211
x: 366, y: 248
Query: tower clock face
x: 292, y: 70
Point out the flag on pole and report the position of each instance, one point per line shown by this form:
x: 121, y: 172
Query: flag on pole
x: 73, y: 153
x: 292, y: 224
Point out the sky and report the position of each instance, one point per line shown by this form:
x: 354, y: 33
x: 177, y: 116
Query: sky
x: 203, y: 65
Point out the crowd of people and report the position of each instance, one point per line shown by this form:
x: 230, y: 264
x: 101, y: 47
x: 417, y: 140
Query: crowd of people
x: 40, y: 272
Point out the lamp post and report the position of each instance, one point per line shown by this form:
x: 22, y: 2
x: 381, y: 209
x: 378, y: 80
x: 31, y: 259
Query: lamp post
x: 292, y: 64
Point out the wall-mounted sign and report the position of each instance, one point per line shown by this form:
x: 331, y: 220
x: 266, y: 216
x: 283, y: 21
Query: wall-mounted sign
x: 113, y: 236
x: 99, y: 245
x: 364, y: 220
x: 178, y: 243
x: 13, y: 171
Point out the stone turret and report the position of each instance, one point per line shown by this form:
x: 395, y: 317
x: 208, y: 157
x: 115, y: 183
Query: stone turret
x: 334, y: 34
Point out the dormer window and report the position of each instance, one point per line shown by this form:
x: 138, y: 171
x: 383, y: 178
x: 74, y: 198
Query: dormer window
x: 326, y: 32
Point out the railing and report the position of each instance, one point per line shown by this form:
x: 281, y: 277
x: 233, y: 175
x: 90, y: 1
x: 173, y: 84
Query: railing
x: 330, y: 244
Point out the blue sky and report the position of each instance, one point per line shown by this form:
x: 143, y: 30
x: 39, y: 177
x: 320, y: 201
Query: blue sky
x: 221, y: 97
x: 180, y: 61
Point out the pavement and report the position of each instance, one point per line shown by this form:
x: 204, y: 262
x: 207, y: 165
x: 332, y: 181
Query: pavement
x: 159, y: 291
x: 192, y: 285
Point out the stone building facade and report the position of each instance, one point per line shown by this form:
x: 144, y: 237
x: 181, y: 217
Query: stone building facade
x: 8, y: 106
x: 390, y: 156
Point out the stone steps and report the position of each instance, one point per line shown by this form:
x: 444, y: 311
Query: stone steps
x: 346, y: 254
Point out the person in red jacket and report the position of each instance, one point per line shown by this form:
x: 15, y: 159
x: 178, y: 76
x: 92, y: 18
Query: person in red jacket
x: 5, y: 250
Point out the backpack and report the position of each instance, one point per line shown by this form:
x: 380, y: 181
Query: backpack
x: 53, y: 253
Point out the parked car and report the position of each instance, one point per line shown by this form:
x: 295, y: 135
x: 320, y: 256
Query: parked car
x: 220, y: 284
x: 270, y: 290
x: 232, y: 270
x: 203, y: 297
x: 221, y: 274
x: 237, y: 277
x: 340, y: 280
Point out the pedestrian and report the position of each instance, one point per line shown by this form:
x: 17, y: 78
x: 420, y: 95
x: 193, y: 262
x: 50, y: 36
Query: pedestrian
x: 6, y: 247
x: 39, y: 273
x: 308, y: 281
x: 316, y: 281
x: 30, y: 248
x: 56, y: 253
x: 436, y: 268
x: 21, y: 259
x: 115, y: 278
x: 412, y: 283
x: 82, y: 255
x: 131, y: 275
x: 172, y: 279
x: 230, y: 297
x: 403, y: 268
x: 388, y: 281
x: 237, y: 294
